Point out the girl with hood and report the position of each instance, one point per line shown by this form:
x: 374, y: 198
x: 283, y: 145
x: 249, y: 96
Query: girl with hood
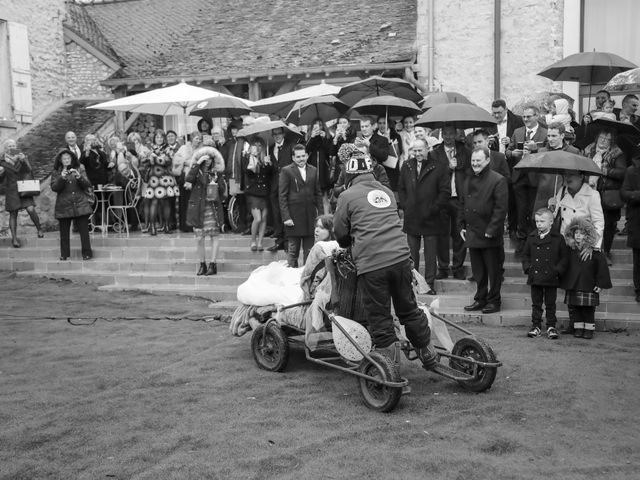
x: 559, y: 112
x: 585, y: 277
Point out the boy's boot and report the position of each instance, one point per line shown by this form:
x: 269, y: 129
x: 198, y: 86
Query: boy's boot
x: 589, y: 328
x: 578, y: 330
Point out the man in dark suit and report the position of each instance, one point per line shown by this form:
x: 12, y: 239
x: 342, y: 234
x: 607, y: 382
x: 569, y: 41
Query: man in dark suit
x: 527, y: 139
x: 424, y: 190
x: 281, y: 154
x: 482, y: 210
x: 498, y: 161
x: 377, y: 145
x: 630, y: 104
x: 300, y: 203
x: 456, y: 157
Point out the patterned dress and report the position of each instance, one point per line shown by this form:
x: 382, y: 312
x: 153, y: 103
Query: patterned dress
x: 160, y: 182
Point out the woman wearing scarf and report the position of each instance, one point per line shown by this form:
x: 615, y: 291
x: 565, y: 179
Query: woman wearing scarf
x: 14, y: 166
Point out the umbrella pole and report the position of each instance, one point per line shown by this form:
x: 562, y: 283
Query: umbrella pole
x: 184, y: 112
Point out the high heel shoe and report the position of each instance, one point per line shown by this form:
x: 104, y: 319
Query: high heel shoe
x: 152, y: 229
x: 213, y: 269
x: 40, y: 234
x: 203, y: 269
x: 16, y: 243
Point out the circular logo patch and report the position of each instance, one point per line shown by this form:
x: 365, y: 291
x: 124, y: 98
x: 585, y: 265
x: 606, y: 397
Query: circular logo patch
x: 378, y: 199
x: 201, y: 105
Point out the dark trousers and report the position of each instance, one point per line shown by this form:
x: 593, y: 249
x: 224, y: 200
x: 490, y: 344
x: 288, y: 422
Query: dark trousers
x: 293, y: 249
x: 525, y: 197
x: 82, y: 223
x: 581, y: 315
x: 548, y: 295
x: 451, y: 239
x: 183, y: 205
x: 278, y: 228
x: 611, y: 218
x: 378, y: 289
x: 430, y: 246
x: 512, y: 212
x: 485, y: 265
x: 636, y: 270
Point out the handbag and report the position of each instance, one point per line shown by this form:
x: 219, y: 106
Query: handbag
x: 28, y: 188
x: 213, y: 194
x: 611, y: 200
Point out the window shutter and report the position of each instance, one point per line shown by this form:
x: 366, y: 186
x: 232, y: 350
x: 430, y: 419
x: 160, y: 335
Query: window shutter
x: 20, y: 72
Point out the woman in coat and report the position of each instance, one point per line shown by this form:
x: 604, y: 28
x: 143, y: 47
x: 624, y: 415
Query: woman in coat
x: 204, y: 213
x: 319, y: 149
x: 73, y: 202
x: 613, y: 163
x: 258, y: 168
x: 14, y: 166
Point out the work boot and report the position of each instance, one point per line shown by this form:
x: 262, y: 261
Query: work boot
x: 393, y: 352
x: 213, y: 269
x: 203, y: 269
x: 427, y: 356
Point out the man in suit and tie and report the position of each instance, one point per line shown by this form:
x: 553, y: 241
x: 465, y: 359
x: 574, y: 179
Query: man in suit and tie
x: 300, y: 203
x: 457, y: 158
x: 72, y: 143
x: 527, y: 139
x: 281, y: 154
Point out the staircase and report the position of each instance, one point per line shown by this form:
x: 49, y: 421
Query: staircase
x: 166, y: 264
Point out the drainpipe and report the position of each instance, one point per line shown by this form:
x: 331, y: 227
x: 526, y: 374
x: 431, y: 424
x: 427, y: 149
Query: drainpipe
x: 497, y: 26
x: 430, y: 51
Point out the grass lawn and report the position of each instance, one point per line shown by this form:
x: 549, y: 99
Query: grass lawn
x: 163, y: 399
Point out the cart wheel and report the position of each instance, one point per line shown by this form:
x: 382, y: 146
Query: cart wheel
x: 378, y: 397
x: 270, y: 348
x: 233, y: 212
x: 478, y: 349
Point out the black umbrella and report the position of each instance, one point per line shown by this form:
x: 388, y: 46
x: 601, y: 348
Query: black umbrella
x: 326, y: 107
x: 376, y: 86
x: 438, y: 98
x: 386, y: 105
x: 558, y: 162
x: 458, y: 115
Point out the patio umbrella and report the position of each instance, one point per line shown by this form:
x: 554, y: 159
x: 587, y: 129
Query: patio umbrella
x: 326, y: 107
x: 438, y: 98
x: 558, y: 162
x: 221, y: 106
x: 587, y: 67
x: 458, y: 115
x: 624, y: 81
x: 385, y: 106
x: 281, y: 105
x: 376, y: 86
x: 266, y: 126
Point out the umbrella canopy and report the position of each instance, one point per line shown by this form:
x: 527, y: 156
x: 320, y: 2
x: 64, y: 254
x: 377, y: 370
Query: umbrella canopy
x: 281, y: 105
x: 376, y: 86
x: 327, y: 107
x: 587, y: 67
x: 265, y: 126
x: 459, y: 115
x: 385, y: 106
x: 539, y: 99
x: 621, y: 128
x: 558, y: 161
x: 173, y: 100
x: 624, y: 81
x: 438, y: 98
x: 221, y: 105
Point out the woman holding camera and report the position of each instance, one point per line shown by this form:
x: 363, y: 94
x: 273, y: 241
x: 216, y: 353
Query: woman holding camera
x: 258, y: 169
x: 319, y: 148
x: 14, y: 166
x: 74, y: 201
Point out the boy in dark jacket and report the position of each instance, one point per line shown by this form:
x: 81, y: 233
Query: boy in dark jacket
x: 544, y: 260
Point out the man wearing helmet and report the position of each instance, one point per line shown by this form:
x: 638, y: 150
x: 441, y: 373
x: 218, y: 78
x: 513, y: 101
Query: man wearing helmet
x: 367, y: 220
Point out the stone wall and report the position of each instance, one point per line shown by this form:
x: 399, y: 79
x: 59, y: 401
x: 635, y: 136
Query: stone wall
x: 85, y: 73
x: 531, y: 38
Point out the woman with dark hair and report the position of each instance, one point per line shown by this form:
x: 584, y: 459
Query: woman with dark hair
x: 160, y: 185
x: 324, y: 229
x: 258, y: 168
x: 74, y: 201
x: 15, y: 166
x: 319, y: 148
x: 204, y: 126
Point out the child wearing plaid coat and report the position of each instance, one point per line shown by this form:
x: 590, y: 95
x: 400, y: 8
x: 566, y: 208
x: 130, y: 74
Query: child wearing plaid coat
x: 584, y: 278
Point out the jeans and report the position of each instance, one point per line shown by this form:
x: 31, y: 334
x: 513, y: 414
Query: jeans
x: 293, y: 249
x: 548, y: 295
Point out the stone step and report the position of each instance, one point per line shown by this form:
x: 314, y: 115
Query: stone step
x: 220, y: 294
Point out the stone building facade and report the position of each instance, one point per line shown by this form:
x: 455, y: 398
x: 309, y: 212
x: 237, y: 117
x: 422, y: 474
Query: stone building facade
x: 85, y: 73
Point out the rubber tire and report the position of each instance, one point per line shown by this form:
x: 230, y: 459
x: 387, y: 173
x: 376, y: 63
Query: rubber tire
x: 378, y: 397
x: 233, y: 213
x: 274, y: 355
x: 478, y: 349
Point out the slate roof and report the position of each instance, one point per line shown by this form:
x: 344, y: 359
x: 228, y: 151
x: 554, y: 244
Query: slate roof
x: 160, y: 38
x: 79, y: 20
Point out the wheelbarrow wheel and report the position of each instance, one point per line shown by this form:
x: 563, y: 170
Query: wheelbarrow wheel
x: 379, y: 397
x: 478, y: 349
x: 270, y: 348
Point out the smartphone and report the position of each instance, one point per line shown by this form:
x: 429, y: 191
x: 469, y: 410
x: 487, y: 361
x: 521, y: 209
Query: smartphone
x: 520, y: 146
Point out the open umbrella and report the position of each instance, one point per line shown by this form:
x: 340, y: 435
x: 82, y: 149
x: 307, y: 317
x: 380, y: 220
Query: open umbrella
x: 621, y: 128
x: 624, y: 81
x: 558, y: 162
x: 281, y: 105
x: 385, y: 106
x: 376, y: 86
x: 326, y: 107
x: 221, y: 106
x: 438, y: 98
x: 587, y: 67
x: 458, y: 115
x: 265, y: 126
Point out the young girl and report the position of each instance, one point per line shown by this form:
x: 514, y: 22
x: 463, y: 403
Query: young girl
x: 584, y: 279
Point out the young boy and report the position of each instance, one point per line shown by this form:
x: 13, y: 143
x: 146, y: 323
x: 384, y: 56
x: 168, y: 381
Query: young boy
x: 544, y: 259
x: 584, y: 278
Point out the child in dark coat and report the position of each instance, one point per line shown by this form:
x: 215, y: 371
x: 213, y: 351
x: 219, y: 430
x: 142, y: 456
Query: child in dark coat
x: 584, y: 279
x: 544, y: 260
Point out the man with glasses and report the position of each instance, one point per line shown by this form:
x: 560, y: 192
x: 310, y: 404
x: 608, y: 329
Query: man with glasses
x: 525, y: 140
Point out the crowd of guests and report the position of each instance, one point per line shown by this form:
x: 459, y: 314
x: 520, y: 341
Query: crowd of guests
x: 456, y: 191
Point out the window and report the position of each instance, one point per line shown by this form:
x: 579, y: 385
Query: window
x: 15, y: 73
